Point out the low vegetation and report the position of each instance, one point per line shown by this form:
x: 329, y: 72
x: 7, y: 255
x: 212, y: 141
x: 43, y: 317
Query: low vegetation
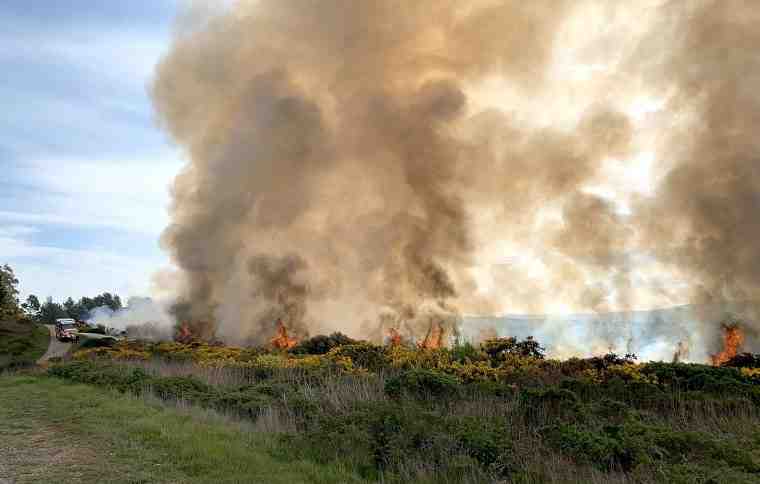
x: 21, y: 344
x: 500, y: 411
x: 53, y: 431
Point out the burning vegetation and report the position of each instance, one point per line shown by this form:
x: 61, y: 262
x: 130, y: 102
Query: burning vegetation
x: 394, y: 337
x: 733, y: 339
x: 282, y: 341
x: 184, y: 334
x: 434, y: 338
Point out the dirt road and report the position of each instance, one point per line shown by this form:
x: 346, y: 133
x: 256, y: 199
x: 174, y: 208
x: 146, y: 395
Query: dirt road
x: 56, y: 348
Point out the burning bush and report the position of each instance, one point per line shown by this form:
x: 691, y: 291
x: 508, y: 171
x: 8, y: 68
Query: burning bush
x: 282, y: 341
x: 733, y: 339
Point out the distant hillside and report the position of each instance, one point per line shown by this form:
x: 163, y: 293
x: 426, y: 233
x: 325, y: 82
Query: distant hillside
x: 652, y: 334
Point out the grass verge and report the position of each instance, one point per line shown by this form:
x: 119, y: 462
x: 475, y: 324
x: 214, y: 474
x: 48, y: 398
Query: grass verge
x: 58, y: 432
x: 21, y: 344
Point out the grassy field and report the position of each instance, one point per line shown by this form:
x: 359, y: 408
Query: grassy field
x: 55, y: 431
x: 21, y: 344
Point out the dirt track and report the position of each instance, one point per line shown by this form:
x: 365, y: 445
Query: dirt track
x: 55, y: 349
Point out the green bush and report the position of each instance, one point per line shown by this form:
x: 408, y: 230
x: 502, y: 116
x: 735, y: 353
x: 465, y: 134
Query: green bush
x: 422, y: 384
x: 633, y: 443
x: 121, y: 378
x: 364, y: 355
x: 181, y: 388
x: 744, y: 360
x: 85, y: 343
x: 249, y: 400
x: 551, y: 403
x: 677, y: 374
x: 467, y: 353
x: 605, y: 450
x: 498, y: 349
x: 321, y: 344
x: 405, y: 442
x: 485, y: 440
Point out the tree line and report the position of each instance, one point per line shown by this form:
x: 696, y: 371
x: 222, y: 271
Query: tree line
x: 33, y: 310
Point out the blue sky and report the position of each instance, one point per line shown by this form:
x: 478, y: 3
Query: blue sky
x: 84, y: 169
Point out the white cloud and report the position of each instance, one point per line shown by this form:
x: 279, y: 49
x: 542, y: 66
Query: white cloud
x: 131, y: 195
x: 60, y: 272
x: 119, y: 55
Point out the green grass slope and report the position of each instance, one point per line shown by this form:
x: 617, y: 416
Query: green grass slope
x: 58, y: 432
x: 21, y: 344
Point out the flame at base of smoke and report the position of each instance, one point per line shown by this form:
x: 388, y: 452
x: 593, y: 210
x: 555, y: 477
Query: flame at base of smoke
x: 733, y: 339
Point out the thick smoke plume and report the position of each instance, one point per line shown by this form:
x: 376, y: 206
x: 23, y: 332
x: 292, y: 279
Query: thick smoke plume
x: 369, y: 165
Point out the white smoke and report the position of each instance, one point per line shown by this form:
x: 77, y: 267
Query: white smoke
x: 142, y: 318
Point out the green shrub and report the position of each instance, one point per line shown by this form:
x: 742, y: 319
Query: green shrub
x: 677, y: 374
x: 364, y: 355
x: 97, y: 343
x: 605, y: 450
x: 744, y: 360
x: 467, y: 353
x: 498, y: 349
x: 121, y: 378
x: 551, y: 403
x: 485, y: 440
x: 422, y: 384
x: 321, y: 344
x: 181, y: 388
x: 634, y: 443
x: 405, y: 442
x: 610, y: 409
x: 491, y: 389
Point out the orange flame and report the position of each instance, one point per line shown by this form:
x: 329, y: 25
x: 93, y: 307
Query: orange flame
x: 394, y: 337
x: 184, y: 335
x: 733, y: 338
x: 433, y: 338
x: 282, y: 341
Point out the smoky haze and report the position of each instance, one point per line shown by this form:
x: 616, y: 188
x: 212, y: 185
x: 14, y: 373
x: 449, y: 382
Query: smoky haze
x: 358, y: 166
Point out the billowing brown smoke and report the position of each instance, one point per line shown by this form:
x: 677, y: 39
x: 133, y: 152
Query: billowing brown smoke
x: 704, y: 218
x: 347, y: 171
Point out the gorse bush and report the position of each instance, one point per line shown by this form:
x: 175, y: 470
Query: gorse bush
x: 422, y: 384
x: 321, y: 344
x: 367, y: 356
x: 498, y: 349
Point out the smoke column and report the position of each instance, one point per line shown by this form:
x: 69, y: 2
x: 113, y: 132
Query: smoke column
x: 357, y: 166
